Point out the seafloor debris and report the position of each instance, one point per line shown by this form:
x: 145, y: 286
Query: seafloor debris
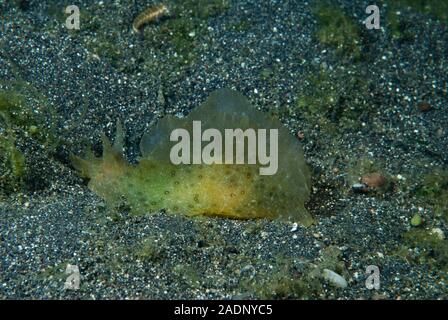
x: 149, y: 15
x: 373, y: 180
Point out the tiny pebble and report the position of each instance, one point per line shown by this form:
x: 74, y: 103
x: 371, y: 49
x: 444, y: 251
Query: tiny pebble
x: 334, y: 278
x: 294, y: 227
x: 416, y: 220
x: 424, y: 106
x: 373, y: 180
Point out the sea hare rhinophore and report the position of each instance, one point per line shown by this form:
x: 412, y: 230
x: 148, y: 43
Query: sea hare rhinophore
x: 226, y: 190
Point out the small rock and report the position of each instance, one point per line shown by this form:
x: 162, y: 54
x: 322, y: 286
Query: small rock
x: 295, y: 225
x: 33, y: 130
x: 247, y: 269
x: 317, y: 235
x: 373, y: 180
x: 334, y: 278
x: 360, y: 187
x: 416, y: 220
x: 424, y: 106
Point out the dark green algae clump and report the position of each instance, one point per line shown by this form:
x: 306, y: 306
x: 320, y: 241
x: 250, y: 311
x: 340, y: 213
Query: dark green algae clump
x: 12, y: 161
x: 339, y: 31
x: 27, y: 136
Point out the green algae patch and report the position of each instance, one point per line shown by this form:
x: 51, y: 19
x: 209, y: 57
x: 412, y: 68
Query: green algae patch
x: 436, y: 8
x: 150, y: 249
x: 205, y: 9
x: 25, y: 120
x: 227, y: 190
x: 286, y: 284
x: 291, y: 278
x: 401, y: 26
x: 12, y: 161
x: 333, y: 98
x: 338, y: 31
x: 429, y: 248
x: 433, y: 189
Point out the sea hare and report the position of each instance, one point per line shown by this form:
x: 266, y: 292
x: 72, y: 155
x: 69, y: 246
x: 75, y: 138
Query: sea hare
x: 226, y: 190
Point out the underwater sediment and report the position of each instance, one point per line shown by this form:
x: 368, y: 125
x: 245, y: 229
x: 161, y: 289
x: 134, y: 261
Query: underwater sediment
x: 368, y: 107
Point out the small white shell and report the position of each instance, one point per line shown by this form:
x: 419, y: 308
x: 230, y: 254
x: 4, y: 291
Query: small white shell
x: 334, y: 278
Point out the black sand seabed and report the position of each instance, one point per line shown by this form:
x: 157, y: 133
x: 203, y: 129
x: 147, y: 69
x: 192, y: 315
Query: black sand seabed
x: 267, y: 50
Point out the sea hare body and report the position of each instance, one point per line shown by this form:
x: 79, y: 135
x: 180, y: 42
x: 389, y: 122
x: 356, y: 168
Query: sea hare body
x: 226, y: 190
